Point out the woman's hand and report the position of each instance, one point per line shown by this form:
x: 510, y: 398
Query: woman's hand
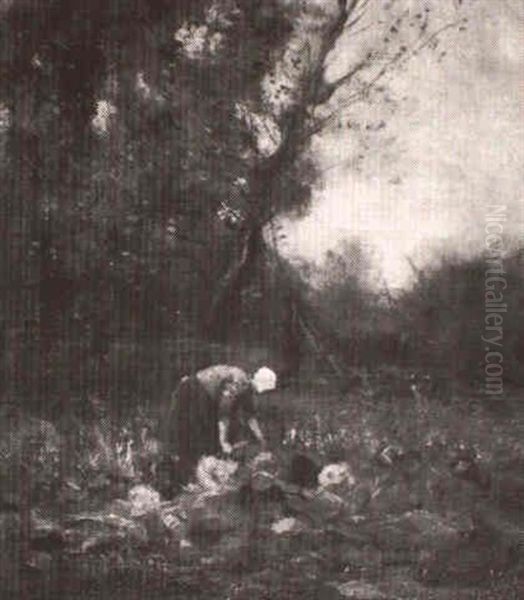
x: 227, y: 448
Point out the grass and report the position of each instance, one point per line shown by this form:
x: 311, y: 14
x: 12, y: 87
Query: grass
x: 411, y: 454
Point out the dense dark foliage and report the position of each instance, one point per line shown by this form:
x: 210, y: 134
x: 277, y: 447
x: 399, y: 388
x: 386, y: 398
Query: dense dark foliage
x: 120, y: 229
x: 437, y: 323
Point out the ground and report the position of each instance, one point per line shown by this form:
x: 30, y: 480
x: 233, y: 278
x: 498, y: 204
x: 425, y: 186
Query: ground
x: 435, y: 510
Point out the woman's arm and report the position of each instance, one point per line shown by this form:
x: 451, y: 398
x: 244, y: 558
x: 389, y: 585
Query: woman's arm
x: 255, y: 428
x: 223, y: 429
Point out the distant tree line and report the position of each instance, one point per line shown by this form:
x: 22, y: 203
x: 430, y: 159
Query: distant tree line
x: 437, y: 323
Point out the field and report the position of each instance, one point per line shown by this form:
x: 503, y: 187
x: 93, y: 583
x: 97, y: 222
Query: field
x: 435, y: 509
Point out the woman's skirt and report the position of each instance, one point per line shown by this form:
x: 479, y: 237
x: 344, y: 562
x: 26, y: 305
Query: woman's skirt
x: 190, y: 429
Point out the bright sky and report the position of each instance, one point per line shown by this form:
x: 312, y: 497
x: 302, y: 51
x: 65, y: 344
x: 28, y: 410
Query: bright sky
x: 458, y: 147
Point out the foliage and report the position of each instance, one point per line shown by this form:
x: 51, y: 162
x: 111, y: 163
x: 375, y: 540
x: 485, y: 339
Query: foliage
x: 124, y: 173
x: 353, y: 310
x: 445, y: 315
x: 438, y: 324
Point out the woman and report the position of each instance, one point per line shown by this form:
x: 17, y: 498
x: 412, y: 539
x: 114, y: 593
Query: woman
x: 208, y: 410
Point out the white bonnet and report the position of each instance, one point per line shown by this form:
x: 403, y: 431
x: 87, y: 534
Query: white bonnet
x: 264, y: 380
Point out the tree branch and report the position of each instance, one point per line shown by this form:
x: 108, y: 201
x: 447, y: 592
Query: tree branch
x: 268, y: 172
x: 400, y: 57
x: 330, y: 88
x: 436, y: 34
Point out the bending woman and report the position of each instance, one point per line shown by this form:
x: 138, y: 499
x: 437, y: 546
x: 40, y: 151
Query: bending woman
x: 207, y: 411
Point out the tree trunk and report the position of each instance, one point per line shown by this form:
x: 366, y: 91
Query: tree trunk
x: 225, y: 301
x: 264, y: 183
x: 291, y: 342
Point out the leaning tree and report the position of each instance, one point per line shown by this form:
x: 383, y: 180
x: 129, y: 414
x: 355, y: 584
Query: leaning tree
x: 333, y: 55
